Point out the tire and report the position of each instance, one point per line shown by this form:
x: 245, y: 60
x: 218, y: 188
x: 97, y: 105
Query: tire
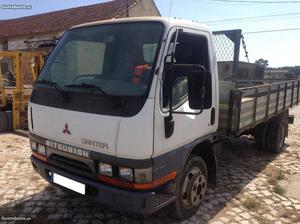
x: 9, y: 121
x: 260, y: 136
x: 3, y: 121
x: 276, y: 135
x: 191, y: 188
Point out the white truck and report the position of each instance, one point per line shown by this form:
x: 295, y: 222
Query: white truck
x: 128, y: 111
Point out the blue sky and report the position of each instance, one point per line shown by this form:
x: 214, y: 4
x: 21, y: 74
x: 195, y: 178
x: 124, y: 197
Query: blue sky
x: 280, y: 48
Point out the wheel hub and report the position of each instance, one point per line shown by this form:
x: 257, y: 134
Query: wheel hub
x: 194, y: 188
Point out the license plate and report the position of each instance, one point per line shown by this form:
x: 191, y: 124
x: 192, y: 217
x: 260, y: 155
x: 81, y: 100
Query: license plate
x: 69, y: 183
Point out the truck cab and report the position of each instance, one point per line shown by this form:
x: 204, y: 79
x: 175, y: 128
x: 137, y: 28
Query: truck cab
x: 126, y: 111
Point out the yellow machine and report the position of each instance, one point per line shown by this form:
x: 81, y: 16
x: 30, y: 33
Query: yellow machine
x: 16, y: 82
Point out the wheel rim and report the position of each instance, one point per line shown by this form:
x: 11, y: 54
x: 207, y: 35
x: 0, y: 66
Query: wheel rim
x: 281, y: 136
x: 194, y: 188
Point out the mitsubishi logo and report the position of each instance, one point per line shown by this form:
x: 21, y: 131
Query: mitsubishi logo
x: 66, y: 129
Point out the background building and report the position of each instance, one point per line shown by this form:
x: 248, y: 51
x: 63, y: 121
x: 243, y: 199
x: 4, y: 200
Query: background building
x: 279, y: 74
x: 41, y: 31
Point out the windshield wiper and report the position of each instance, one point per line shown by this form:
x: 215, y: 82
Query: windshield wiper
x: 87, y: 86
x: 63, y: 94
x: 114, y: 100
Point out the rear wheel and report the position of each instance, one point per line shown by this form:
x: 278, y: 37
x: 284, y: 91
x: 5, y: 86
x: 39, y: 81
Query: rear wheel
x: 191, y: 188
x: 276, y: 135
x: 9, y: 121
x: 260, y: 136
x: 3, y: 121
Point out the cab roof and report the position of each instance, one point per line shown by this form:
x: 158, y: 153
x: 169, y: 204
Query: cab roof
x: 168, y: 22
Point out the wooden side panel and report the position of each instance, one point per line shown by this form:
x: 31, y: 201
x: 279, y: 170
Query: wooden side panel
x: 258, y: 104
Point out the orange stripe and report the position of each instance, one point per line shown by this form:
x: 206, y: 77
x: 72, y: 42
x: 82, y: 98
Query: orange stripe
x: 40, y: 157
x: 123, y: 184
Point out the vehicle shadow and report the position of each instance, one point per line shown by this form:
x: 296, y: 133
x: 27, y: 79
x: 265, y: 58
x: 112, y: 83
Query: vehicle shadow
x: 4, y: 133
x: 239, y: 163
x: 18, y: 133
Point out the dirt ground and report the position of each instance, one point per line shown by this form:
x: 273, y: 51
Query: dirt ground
x: 252, y: 187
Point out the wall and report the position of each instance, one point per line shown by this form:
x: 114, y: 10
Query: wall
x: 18, y: 43
x: 273, y: 74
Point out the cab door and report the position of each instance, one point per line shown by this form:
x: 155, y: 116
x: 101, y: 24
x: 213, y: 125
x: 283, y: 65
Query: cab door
x: 193, y: 47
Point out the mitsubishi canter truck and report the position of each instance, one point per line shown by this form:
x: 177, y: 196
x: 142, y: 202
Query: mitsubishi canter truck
x: 128, y: 111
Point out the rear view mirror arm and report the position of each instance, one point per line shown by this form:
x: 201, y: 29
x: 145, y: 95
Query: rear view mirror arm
x: 189, y: 113
x: 169, y: 123
x: 191, y: 66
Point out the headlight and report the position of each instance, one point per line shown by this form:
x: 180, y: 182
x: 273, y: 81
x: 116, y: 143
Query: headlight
x: 42, y: 149
x: 33, y: 146
x: 126, y: 173
x: 105, y: 169
x: 143, y: 175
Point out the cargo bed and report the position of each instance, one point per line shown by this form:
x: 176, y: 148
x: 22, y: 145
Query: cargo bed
x: 241, y: 109
x: 247, y: 98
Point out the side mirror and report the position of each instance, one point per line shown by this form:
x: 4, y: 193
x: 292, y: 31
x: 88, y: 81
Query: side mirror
x: 198, y: 81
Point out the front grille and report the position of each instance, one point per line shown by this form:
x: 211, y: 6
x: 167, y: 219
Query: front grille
x: 72, y: 166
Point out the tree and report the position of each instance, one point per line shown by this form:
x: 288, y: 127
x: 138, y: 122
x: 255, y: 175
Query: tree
x: 264, y: 63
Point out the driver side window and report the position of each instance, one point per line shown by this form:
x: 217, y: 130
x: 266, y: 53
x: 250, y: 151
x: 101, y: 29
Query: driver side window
x: 190, y: 49
x: 82, y: 58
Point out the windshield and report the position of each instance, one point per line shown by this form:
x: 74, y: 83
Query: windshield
x: 117, y: 59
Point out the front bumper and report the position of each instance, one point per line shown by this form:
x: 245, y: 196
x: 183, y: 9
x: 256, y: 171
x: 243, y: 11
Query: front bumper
x: 131, y: 201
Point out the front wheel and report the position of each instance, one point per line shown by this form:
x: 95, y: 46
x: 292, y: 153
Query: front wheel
x: 191, y: 188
